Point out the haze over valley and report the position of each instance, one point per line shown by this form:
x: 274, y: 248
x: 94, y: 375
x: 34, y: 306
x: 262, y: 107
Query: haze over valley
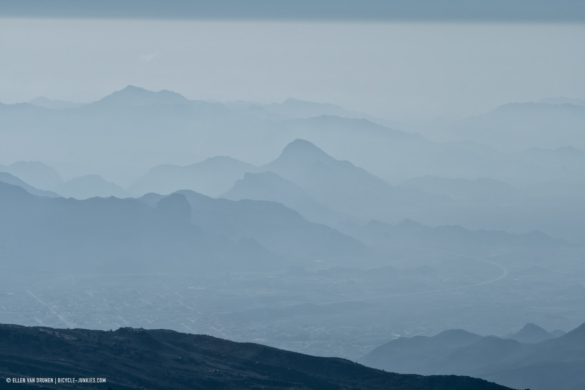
x: 413, y: 203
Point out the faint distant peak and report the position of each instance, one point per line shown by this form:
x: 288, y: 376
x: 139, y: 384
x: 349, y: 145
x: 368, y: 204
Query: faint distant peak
x: 138, y: 96
x: 531, y: 333
x: 531, y: 327
x: 303, y: 149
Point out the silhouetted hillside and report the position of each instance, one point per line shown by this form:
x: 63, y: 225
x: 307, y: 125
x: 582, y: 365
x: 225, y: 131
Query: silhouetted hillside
x: 183, y: 231
x: 276, y: 227
x: 554, y: 363
x: 114, y: 235
x: 159, y: 359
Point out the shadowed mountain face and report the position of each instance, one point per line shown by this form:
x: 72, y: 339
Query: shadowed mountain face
x: 185, y: 229
x: 158, y: 359
x: 277, y: 228
x: 531, y: 358
x: 113, y: 235
x: 400, y: 354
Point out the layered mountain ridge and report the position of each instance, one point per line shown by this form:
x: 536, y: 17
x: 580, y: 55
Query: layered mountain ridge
x: 132, y: 359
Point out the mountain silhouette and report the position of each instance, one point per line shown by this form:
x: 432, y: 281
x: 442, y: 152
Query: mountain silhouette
x: 552, y: 363
x: 111, y: 235
x: 404, y: 354
x: 133, y: 359
x: 531, y: 333
x: 136, y: 96
x: 277, y: 228
x: 182, y: 231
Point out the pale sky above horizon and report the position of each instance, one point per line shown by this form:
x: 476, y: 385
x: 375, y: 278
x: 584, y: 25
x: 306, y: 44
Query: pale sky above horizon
x: 394, y: 70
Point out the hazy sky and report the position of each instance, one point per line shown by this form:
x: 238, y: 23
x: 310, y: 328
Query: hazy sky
x: 395, y: 70
x: 562, y: 11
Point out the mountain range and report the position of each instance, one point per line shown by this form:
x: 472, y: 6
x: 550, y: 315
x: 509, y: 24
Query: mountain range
x: 189, y: 230
x: 155, y: 122
x: 531, y: 358
x: 48, y: 181
x: 402, y: 176
x: 323, y: 190
x: 132, y: 359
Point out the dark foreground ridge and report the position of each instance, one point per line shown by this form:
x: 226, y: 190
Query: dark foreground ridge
x: 162, y: 359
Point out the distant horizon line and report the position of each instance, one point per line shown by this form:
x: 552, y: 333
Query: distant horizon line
x: 517, y: 11
x: 153, y: 90
x: 544, y: 99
